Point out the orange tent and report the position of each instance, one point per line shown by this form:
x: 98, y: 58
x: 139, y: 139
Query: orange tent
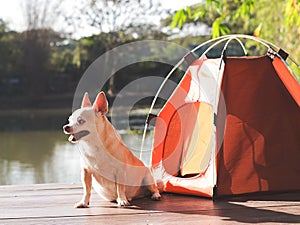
x: 231, y: 126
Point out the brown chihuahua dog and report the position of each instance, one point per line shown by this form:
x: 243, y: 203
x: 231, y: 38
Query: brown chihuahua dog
x: 107, y: 164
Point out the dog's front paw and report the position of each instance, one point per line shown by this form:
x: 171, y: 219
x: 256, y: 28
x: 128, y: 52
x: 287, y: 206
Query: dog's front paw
x: 156, y: 196
x: 122, y: 202
x: 81, y: 204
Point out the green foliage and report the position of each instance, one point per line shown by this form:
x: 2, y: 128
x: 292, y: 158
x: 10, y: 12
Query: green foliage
x: 181, y: 17
x: 275, y: 21
x: 219, y: 28
x: 9, y: 53
x: 245, y: 9
x: 219, y: 14
x: 42, y: 62
x: 292, y: 14
x: 279, y: 26
x: 10, y: 62
x: 62, y: 56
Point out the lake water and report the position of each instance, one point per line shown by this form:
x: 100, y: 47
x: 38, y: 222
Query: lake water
x: 45, y: 156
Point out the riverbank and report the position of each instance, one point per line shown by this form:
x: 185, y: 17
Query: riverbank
x: 51, y: 112
x: 124, y: 118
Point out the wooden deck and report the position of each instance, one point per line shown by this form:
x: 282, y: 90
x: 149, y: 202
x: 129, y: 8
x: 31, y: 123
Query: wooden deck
x: 53, y: 204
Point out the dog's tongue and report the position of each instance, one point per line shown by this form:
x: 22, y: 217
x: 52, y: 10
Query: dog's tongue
x: 75, y: 137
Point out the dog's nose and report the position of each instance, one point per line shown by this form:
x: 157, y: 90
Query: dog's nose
x: 67, y: 129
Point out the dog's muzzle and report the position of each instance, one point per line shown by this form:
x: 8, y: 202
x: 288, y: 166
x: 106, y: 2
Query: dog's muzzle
x: 74, y: 137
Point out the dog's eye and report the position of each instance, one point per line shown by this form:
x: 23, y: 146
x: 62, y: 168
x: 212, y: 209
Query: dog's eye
x: 80, y: 121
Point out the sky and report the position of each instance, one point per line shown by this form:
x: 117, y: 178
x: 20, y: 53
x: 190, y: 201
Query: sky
x: 11, y: 11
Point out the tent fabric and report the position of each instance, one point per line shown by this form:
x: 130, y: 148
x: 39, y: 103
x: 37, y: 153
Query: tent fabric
x: 178, y: 134
x: 205, y: 81
x: 255, y: 145
x: 196, y: 157
x: 287, y: 78
x: 261, y: 147
x: 174, y: 102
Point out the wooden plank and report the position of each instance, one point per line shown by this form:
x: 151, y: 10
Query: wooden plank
x: 53, y: 204
x: 8, y: 189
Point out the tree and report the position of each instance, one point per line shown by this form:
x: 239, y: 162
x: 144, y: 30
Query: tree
x: 280, y: 23
x: 121, y: 20
x: 41, y: 14
x: 10, y: 58
x: 37, y: 41
x: 222, y: 16
x: 3, y: 27
x: 115, y: 15
x: 36, y: 49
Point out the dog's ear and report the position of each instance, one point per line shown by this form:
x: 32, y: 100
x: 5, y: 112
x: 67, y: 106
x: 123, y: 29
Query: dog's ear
x: 86, y: 101
x: 100, y: 103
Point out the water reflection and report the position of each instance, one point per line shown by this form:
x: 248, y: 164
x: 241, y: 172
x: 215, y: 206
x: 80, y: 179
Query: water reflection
x: 37, y: 157
x: 31, y: 157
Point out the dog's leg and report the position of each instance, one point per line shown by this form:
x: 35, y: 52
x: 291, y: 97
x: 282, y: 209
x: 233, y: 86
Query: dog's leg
x: 121, y: 189
x: 151, y: 184
x: 121, y: 200
x: 86, y: 178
